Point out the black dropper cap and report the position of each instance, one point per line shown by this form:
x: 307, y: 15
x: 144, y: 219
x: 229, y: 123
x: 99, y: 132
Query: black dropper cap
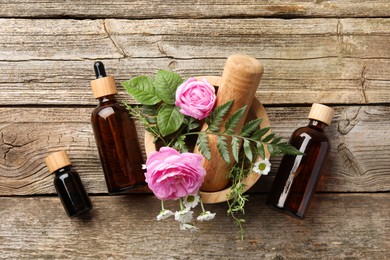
x: 100, y: 71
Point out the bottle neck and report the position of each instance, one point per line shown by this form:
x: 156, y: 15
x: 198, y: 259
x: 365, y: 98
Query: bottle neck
x: 317, y: 125
x: 63, y: 170
x: 107, y: 99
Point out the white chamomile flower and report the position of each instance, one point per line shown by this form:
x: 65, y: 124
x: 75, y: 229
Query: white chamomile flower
x: 184, y: 216
x: 188, y: 226
x: 165, y: 213
x: 262, y: 167
x: 206, y: 215
x: 143, y: 166
x: 191, y: 201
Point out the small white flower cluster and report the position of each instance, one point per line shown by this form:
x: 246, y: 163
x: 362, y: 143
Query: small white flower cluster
x: 185, y: 215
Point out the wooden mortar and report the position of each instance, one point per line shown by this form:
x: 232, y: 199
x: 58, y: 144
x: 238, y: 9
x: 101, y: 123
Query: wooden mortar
x: 240, y: 80
x: 256, y: 111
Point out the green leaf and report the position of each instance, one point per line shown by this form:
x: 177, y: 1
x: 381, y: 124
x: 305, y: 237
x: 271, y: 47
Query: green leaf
x: 191, y: 123
x: 248, y: 150
x: 259, y: 133
x: 166, y: 83
x: 151, y: 120
x: 260, y: 150
x: 232, y: 121
x: 276, y: 140
x: 289, y: 149
x: 203, y: 144
x: 235, y: 148
x: 193, y: 126
x: 273, y: 149
x: 208, y: 120
x: 249, y: 127
x: 169, y: 119
x: 180, y: 144
x: 223, y: 148
x: 152, y: 129
x: 142, y: 89
x: 149, y: 110
x: 217, y: 115
x: 268, y: 138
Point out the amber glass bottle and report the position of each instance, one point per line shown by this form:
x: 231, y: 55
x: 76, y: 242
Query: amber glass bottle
x: 297, y: 177
x: 116, y: 137
x: 68, y: 184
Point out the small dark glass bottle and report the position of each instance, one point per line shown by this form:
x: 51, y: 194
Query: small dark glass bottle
x: 68, y: 184
x: 115, y: 136
x: 297, y: 177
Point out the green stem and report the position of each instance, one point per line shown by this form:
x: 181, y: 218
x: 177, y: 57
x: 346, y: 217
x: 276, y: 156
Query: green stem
x: 190, y: 121
x: 174, y: 139
x: 236, y: 202
x: 202, y: 206
x: 162, y: 205
x: 137, y: 114
x: 226, y: 135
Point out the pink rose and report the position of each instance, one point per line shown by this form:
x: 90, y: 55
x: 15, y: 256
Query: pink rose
x: 171, y: 175
x: 196, y: 98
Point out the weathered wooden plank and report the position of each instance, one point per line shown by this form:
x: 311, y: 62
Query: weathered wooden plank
x: 124, y: 227
x: 55, y: 40
x: 306, y: 60
x: 186, y: 9
x: 265, y: 38
x: 328, y: 80
x: 25, y: 39
x: 358, y: 161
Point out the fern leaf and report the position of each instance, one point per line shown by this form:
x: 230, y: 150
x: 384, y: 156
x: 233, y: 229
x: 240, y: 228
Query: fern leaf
x: 232, y: 121
x: 180, y: 144
x: 260, y: 132
x: 273, y: 149
x: 248, y: 150
x: 260, y: 150
x: 249, y: 127
x: 276, y: 140
x: 217, y: 115
x: 235, y: 148
x: 289, y: 149
x: 223, y: 148
x: 203, y: 144
x: 268, y: 138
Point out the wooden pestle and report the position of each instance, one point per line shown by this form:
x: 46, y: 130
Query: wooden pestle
x: 240, y: 80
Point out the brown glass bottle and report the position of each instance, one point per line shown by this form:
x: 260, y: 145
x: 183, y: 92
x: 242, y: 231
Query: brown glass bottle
x: 116, y: 137
x: 68, y: 184
x: 297, y: 177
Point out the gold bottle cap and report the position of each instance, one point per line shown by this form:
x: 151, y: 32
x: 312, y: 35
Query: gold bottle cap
x: 321, y: 113
x: 103, y: 87
x: 57, y: 161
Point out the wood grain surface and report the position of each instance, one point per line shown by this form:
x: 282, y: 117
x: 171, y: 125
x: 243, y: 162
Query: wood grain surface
x: 358, y: 160
x: 190, y: 9
x: 353, y: 226
x: 333, y: 51
x: 340, y: 61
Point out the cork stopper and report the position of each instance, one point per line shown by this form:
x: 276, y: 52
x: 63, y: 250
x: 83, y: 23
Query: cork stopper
x: 57, y: 161
x: 321, y: 113
x: 103, y: 85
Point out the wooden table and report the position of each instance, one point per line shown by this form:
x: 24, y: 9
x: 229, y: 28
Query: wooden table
x: 333, y: 52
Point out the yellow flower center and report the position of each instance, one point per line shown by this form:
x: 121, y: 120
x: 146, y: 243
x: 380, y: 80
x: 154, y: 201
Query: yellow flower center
x: 190, y: 198
x: 262, y: 166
